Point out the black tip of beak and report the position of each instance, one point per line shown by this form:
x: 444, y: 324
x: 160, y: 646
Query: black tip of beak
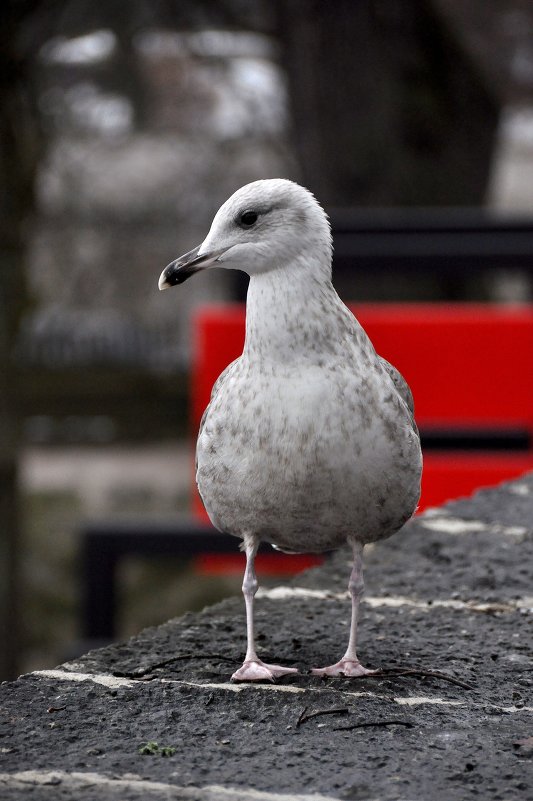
x: 181, y: 269
x: 173, y: 275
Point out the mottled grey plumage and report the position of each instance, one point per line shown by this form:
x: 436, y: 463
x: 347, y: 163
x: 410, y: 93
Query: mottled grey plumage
x: 309, y: 441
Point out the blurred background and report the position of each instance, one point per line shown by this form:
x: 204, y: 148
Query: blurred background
x: 123, y: 127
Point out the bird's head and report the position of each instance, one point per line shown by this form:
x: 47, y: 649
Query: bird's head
x: 262, y: 227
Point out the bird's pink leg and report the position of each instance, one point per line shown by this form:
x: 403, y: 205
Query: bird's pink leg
x: 253, y: 668
x: 350, y: 665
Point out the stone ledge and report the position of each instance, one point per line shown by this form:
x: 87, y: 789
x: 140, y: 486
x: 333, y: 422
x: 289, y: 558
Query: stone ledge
x: 451, y: 594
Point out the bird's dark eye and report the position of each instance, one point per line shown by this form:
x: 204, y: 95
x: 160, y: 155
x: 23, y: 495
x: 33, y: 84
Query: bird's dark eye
x: 248, y: 218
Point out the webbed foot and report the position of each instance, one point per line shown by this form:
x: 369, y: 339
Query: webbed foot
x: 256, y: 670
x: 346, y: 667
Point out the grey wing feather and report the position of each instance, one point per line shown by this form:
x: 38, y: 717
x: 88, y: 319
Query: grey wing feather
x: 224, y: 375
x: 401, y: 385
x: 216, y: 386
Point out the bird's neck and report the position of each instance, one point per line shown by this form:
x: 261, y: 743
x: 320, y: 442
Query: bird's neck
x: 293, y: 315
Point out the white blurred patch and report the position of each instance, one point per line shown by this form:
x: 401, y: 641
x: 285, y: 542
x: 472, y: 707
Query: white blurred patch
x: 89, y: 49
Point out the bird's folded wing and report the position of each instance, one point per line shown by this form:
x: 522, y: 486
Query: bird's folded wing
x: 400, y: 383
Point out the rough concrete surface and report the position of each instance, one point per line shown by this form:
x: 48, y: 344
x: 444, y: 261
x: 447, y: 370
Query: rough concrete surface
x: 451, y: 593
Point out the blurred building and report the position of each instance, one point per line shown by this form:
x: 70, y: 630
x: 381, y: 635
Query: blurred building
x: 125, y: 188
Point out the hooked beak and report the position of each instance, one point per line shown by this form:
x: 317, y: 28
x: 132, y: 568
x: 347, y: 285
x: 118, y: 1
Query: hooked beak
x: 182, y: 268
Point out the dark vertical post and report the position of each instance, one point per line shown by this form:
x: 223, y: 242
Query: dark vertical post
x: 19, y: 152
x: 99, y: 560
x: 387, y: 107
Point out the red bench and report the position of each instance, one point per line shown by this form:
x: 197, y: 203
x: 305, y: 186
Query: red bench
x: 470, y: 367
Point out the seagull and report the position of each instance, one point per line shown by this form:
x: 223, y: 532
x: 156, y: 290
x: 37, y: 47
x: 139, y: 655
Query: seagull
x: 309, y: 440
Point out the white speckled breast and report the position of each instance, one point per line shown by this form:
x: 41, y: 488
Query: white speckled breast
x: 307, y: 457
